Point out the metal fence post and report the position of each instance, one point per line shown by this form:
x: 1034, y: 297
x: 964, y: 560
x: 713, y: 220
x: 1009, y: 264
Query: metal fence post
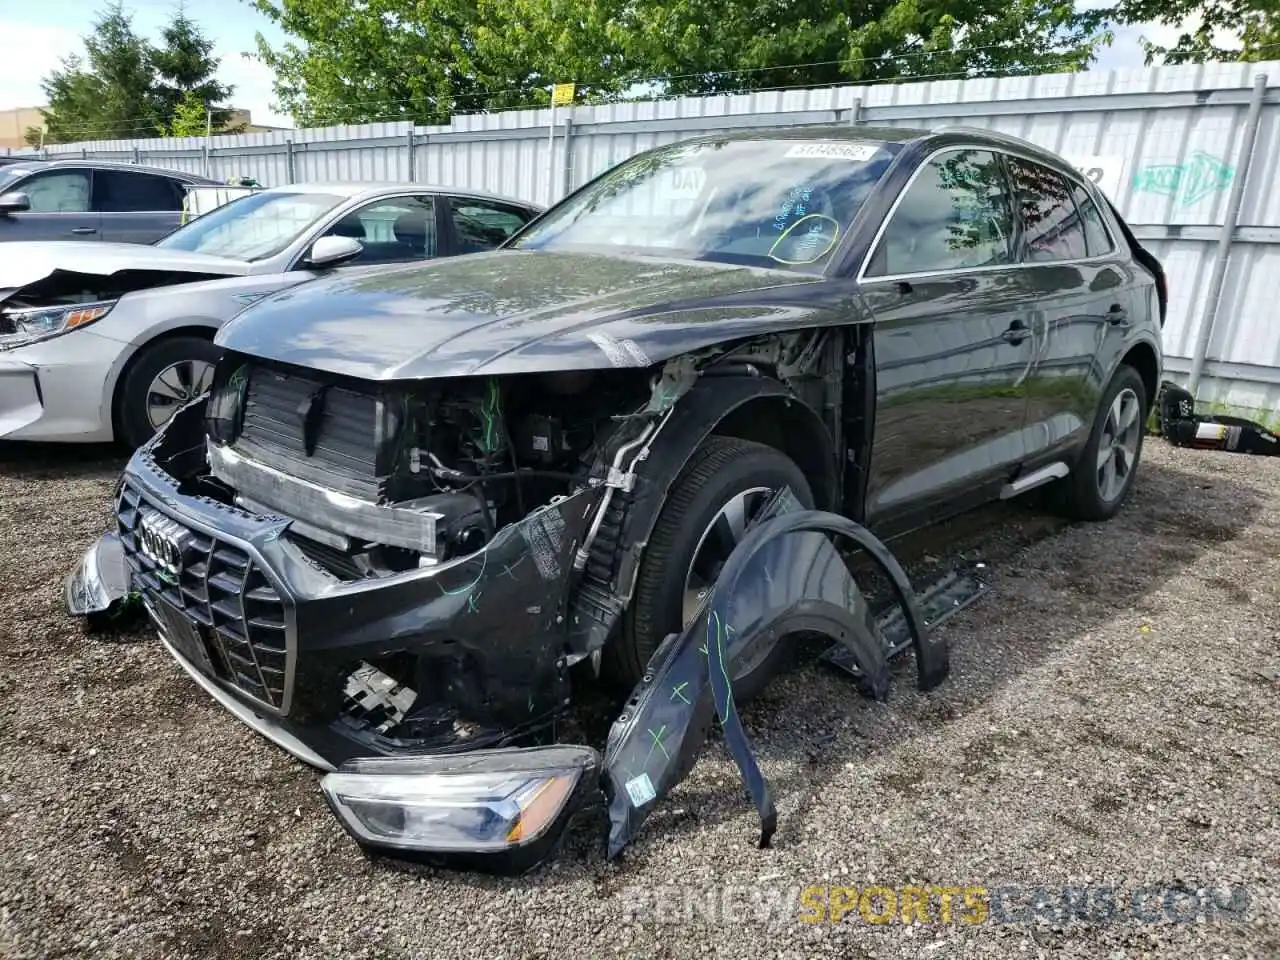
x: 1234, y: 200
x: 288, y: 160
x: 137, y: 155
x: 566, y: 162
x: 412, y: 146
x: 854, y: 112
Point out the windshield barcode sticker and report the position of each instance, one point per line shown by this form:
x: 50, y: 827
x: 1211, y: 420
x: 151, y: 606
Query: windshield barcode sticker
x: 640, y: 790
x: 833, y: 151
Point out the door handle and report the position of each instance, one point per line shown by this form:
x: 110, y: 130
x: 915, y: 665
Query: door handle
x: 84, y: 230
x: 1017, y: 332
x: 1118, y: 316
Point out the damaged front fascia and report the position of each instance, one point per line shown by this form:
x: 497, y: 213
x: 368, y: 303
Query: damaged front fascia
x: 785, y: 578
x: 484, y: 634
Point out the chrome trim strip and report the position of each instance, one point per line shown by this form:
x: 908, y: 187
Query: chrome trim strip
x: 242, y: 712
x: 861, y: 278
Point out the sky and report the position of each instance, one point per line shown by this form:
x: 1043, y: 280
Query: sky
x: 35, y: 35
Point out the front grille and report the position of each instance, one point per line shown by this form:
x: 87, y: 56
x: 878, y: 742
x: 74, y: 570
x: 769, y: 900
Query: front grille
x: 344, y: 457
x: 237, y: 616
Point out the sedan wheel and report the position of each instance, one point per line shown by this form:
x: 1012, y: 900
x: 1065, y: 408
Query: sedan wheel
x: 161, y: 378
x: 174, y: 386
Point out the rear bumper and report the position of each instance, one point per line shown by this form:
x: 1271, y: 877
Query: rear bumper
x: 55, y: 391
x: 273, y: 636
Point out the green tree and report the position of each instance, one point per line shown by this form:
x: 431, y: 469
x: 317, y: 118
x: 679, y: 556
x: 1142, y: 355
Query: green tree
x: 428, y: 59
x: 1256, y: 24
x: 184, y: 66
x: 190, y: 117
x: 107, y: 95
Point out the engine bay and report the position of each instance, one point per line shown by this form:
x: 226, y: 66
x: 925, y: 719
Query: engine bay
x: 383, y: 478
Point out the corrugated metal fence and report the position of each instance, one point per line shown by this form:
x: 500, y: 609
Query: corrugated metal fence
x: 1190, y: 155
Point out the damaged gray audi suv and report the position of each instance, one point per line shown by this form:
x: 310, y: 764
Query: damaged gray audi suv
x: 418, y: 504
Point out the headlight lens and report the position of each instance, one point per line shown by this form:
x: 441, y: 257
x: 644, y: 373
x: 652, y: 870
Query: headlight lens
x: 486, y: 801
x: 19, y: 327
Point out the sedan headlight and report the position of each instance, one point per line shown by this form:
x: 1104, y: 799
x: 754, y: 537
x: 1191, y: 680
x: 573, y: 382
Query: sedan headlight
x: 482, y: 802
x: 21, y: 326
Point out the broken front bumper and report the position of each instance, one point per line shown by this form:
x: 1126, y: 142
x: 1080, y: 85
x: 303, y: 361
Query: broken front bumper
x: 286, y: 645
x: 277, y: 655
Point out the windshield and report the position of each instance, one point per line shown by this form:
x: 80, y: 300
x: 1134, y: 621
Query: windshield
x: 252, y: 227
x: 775, y: 203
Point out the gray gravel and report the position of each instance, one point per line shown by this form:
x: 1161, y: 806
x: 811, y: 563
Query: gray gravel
x: 1109, y: 720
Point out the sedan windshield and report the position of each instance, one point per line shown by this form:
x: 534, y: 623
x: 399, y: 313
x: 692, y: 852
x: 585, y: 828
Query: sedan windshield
x: 253, y: 227
x: 781, y: 203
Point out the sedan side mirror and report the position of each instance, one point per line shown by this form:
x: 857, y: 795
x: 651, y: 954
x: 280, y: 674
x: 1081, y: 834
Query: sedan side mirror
x: 15, y: 202
x: 331, y: 251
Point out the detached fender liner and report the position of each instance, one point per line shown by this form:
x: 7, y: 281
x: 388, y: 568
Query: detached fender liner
x: 786, y: 577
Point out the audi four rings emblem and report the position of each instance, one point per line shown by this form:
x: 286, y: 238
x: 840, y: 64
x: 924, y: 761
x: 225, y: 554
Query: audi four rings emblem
x: 163, y: 541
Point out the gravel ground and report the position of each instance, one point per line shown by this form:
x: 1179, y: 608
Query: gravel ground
x: 1109, y: 721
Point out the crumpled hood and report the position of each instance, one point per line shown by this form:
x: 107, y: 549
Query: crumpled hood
x: 25, y: 263
x: 511, y: 311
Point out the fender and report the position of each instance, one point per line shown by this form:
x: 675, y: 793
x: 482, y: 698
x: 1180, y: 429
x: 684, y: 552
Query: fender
x: 606, y: 589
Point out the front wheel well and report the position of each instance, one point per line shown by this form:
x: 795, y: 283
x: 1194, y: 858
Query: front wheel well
x: 791, y: 428
x: 203, y: 333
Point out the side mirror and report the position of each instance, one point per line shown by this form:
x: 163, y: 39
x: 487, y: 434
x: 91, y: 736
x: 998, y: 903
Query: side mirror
x: 15, y: 202
x: 331, y: 251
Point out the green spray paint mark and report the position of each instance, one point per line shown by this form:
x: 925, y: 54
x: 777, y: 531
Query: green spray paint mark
x: 657, y: 743
x: 1185, y: 183
x: 677, y: 692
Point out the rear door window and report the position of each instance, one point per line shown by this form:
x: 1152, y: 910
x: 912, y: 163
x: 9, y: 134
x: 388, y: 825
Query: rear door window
x: 1052, y: 229
x: 954, y: 215
x: 124, y: 191
x: 483, y: 224
x: 1097, y: 239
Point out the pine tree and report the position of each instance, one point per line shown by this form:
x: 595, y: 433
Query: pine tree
x: 184, y: 65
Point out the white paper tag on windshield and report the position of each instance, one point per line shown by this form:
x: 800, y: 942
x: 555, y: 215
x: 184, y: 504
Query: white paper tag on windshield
x: 641, y: 790
x: 833, y: 151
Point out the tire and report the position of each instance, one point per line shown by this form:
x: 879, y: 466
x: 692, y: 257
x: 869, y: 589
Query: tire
x: 180, y: 360
x: 1088, y: 493
x: 721, y: 470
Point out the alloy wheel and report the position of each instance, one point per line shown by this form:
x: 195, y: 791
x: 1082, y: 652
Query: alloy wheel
x: 175, y: 385
x: 1118, y: 445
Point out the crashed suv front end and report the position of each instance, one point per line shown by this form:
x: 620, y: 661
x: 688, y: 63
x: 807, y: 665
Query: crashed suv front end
x: 337, y: 600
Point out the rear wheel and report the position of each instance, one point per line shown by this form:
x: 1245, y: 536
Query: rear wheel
x: 720, y: 490
x: 1107, y: 466
x: 162, y: 378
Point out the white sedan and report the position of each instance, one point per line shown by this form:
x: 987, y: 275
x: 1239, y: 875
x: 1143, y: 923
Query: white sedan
x: 105, y: 341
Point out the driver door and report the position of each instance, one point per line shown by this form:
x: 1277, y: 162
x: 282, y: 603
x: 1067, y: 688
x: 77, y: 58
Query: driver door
x: 391, y: 230
x: 954, y: 342
x: 61, y: 207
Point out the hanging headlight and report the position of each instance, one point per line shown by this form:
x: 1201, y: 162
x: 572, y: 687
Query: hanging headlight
x: 21, y: 326
x: 482, y: 802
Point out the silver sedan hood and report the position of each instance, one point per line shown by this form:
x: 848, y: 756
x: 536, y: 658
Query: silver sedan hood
x: 22, y: 264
